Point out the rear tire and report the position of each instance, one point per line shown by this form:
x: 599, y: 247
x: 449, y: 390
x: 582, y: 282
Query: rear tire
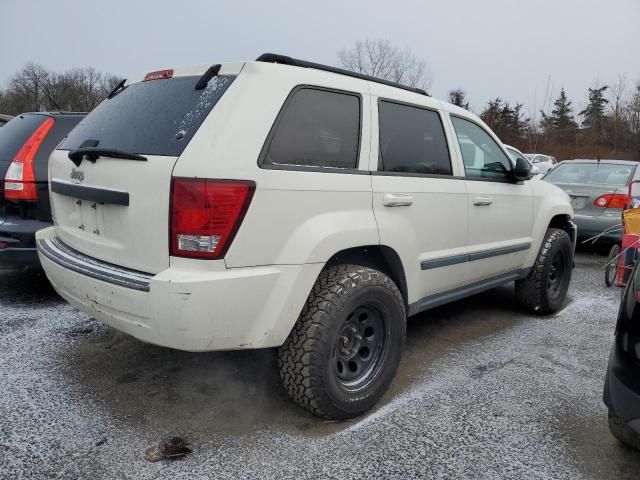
x: 611, y: 269
x: 623, y: 432
x: 344, y: 350
x: 544, y: 289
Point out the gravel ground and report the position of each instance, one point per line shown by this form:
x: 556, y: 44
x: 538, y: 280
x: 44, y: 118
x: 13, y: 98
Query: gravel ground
x: 483, y: 392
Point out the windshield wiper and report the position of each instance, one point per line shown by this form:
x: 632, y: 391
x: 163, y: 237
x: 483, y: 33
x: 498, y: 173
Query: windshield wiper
x: 93, y: 153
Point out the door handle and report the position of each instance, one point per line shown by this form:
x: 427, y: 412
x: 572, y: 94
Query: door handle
x: 397, y: 200
x: 482, y: 201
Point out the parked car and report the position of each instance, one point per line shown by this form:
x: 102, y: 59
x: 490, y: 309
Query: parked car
x: 599, y: 190
x: 543, y: 162
x: 283, y: 203
x: 4, y: 119
x: 514, y: 153
x: 622, y: 384
x: 25, y: 145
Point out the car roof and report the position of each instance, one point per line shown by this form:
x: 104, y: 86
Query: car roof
x: 603, y: 160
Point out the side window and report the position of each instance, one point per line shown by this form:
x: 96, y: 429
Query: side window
x: 318, y: 128
x: 482, y: 156
x: 412, y: 140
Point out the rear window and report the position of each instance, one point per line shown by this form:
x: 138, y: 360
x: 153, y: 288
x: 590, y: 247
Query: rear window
x: 412, y: 140
x: 15, y: 133
x: 591, y: 173
x: 157, y: 117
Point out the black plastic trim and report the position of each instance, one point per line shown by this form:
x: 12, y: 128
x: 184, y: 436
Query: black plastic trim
x: 444, y: 262
x: 94, y: 194
x: 499, y: 251
x: 470, y: 257
x: 458, y: 293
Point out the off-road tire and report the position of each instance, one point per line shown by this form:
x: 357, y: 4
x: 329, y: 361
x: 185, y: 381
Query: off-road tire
x: 623, y: 432
x: 307, y: 358
x: 611, y: 269
x: 534, y: 291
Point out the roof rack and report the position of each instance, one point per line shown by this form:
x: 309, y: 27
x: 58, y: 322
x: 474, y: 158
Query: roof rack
x: 283, y: 59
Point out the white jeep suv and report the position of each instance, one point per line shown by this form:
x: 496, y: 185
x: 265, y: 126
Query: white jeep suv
x: 282, y: 203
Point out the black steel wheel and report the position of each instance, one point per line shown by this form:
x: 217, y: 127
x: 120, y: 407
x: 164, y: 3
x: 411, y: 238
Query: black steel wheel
x: 344, y: 350
x: 360, y: 346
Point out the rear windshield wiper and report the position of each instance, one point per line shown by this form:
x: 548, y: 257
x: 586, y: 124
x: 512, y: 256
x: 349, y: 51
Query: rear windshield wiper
x: 93, y: 153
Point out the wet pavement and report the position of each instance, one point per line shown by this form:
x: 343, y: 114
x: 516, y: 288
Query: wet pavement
x: 484, y: 391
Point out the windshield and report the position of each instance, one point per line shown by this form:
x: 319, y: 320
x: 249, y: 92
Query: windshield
x: 591, y: 173
x: 157, y: 117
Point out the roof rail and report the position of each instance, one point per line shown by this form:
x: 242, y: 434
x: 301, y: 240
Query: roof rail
x: 283, y: 59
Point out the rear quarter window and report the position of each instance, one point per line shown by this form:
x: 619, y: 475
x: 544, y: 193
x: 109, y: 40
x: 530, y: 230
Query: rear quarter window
x: 316, y: 128
x: 156, y: 117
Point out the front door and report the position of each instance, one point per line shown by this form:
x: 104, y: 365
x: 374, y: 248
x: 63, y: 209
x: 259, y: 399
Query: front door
x: 500, y: 209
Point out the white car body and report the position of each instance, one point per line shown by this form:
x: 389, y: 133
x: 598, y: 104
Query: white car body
x: 543, y: 162
x: 113, y: 261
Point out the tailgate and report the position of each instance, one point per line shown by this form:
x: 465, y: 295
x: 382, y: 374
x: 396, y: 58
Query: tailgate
x: 111, y: 201
x: 115, y: 210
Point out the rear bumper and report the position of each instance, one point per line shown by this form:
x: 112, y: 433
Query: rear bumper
x: 622, y: 390
x: 187, y: 308
x: 19, y: 236
x: 590, y: 226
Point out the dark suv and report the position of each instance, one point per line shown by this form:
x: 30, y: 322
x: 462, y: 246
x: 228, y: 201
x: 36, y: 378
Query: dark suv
x: 622, y: 385
x: 25, y: 145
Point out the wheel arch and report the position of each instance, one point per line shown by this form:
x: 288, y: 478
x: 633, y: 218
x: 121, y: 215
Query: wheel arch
x: 379, y: 257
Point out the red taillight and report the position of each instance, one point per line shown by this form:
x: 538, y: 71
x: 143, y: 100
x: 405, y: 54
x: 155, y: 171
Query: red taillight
x: 612, y: 200
x: 20, y: 179
x: 158, y: 75
x: 206, y: 214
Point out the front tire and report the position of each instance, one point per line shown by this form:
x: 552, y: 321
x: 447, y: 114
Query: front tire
x: 344, y: 350
x: 544, y: 289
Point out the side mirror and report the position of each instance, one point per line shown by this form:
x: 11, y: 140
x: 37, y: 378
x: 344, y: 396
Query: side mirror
x: 522, y: 170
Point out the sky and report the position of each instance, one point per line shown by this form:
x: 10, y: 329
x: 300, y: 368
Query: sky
x: 521, y: 51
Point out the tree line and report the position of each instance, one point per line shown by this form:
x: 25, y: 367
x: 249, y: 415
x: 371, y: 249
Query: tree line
x: 609, y: 126
x: 36, y: 89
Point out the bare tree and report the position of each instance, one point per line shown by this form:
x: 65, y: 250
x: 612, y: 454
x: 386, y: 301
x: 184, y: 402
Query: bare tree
x: 35, y: 88
x: 379, y: 58
x: 616, y: 104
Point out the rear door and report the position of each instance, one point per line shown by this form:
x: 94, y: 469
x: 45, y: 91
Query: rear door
x: 116, y: 209
x: 418, y: 198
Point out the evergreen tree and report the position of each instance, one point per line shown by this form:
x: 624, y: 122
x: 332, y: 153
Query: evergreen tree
x: 560, y: 126
x: 459, y: 97
x: 594, y: 116
x: 508, y: 122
